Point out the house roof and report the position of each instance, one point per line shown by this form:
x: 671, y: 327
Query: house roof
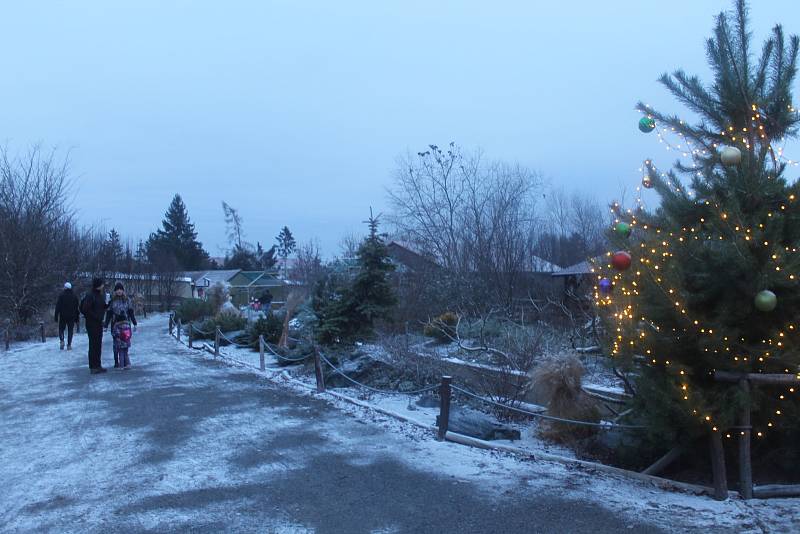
x: 403, y: 255
x: 540, y: 265
x: 578, y: 269
x: 211, y: 278
x: 259, y: 279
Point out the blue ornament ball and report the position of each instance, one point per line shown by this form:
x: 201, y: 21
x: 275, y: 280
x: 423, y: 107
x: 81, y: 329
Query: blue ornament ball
x: 605, y: 286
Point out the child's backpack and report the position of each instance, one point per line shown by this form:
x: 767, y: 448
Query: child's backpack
x: 125, y: 334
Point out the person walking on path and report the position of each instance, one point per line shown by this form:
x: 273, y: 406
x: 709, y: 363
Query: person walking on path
x: 120, y: 316
x: 93, y: 308
x: 66, y: 314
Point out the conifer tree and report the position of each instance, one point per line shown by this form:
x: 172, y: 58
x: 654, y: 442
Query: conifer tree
x: 347, y: 309
x: 711, y: 280
x: 176, y: 241
x: 372, y: 292
x: 286, y: 246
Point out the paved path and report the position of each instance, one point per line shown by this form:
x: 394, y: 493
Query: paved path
x: 183, y: 443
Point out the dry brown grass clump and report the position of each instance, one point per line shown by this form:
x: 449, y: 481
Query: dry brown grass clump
x: 559, y: 383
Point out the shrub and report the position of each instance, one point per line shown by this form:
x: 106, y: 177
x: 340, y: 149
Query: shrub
x: 227, y: 322
x: 442, y: 328
x: 217, y: 296
x: 193, y: 310
x: 560, y: 381
x: 270, y: 327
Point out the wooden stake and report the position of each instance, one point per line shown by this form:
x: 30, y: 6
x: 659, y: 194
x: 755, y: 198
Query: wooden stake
x: 318, y: 371
x: 216, y: 341
x: 758, y: 378
x: 41, y: 330
x: 718, y: 466
x: 171, y: 322
x: 178, y: 330
x: 8, y: 338
x: 664, y: 462
x: 745, y: 464
x: 191, y: 335
x: 444, y: 407
x: 261, y: 352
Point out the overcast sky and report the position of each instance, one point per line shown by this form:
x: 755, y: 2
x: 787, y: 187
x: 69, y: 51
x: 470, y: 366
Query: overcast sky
x: 295, y: 112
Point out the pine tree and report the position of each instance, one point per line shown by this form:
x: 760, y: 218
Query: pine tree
x: 176, y: 241
x: 689, y: 305
x: 372, y: 292
x: 348, y: 309
x: 286, y: 246
x: 112, y: 253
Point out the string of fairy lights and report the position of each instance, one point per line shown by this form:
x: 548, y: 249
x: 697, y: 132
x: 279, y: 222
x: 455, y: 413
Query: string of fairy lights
x: 685, y: 148
x: 653, y: 261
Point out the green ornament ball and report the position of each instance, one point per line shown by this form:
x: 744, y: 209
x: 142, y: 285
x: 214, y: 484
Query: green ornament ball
x: 647, y: 124
x: 623, y: 229
x: 766, y: 301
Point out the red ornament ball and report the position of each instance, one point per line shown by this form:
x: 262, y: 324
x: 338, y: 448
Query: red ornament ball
x: 621, y: 260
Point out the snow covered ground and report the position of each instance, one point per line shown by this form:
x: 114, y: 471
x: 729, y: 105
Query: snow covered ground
x: 183, y: 442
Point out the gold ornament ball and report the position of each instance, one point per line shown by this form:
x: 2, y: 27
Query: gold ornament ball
x: 730, y: 155
x: 647, y: 182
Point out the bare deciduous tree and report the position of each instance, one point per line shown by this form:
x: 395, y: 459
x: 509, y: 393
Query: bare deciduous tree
x: 40, y: 244
x: 476, y: 219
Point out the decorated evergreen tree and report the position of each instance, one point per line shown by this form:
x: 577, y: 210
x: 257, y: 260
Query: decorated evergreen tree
x: 704, y: 290
x: 176, y: 241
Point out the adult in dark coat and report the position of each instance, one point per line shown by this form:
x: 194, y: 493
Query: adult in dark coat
x: 66, y: 314
x: 93, y: 307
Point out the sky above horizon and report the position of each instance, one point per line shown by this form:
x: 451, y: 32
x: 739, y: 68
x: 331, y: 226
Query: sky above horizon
x: 295, y: 112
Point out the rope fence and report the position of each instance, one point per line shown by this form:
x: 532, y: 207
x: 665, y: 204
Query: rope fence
x: 445, y: 387
x: 603, y: 424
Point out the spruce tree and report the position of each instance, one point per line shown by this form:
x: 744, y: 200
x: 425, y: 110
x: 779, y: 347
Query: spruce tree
x: 697, y: 297
x: 176, y: 240
x: 347, y: 307
x: 372, y: 292
x: 112, y: 253
x: 286, y: 246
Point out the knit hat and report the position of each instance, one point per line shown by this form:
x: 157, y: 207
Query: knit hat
x: 67, y: 285
x: 118, y: 286
x: 97, y: 282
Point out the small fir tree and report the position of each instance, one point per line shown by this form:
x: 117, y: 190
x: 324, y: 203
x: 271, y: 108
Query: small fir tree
x: 348, y: 307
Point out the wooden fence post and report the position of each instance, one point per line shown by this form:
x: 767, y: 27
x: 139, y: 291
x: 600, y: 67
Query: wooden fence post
x: 178, y: 330
x: 745, y: 465
x: 444, y: 407
x: 8, y: 337
x: 318, y: 371
x: 191, y: 335
x: 718, y: 466
x: 171, y: 322
x: 41, y: 330
x: 261, y: 352
x: 216, y: 341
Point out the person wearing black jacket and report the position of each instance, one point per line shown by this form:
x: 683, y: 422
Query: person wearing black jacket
x: 93, y: 308
x: 66, y: 314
